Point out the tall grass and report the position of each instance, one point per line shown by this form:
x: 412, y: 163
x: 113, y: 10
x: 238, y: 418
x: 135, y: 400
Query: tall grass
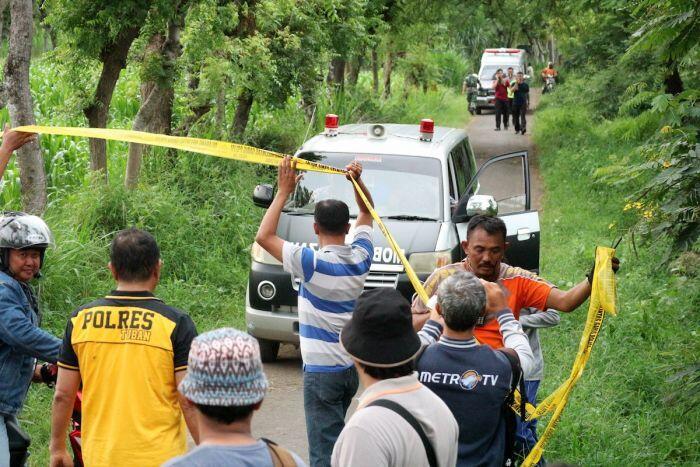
x: 619, y: 413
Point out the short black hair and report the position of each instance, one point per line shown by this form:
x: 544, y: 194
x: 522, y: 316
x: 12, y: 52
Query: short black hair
x: 134, y: 254
x: 510, y: 67
x: 492, y: 225
x: 500, y: 69
x: 332, y: 216
x: 389, y: 373
x: 226, y: 414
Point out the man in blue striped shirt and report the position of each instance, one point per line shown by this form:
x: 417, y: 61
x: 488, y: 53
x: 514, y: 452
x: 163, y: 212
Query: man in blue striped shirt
x: 331, y: 280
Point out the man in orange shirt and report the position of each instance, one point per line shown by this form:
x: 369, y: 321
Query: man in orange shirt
x: 485, y: 247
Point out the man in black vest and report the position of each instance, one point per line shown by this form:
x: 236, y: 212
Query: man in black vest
x: 474, y: 380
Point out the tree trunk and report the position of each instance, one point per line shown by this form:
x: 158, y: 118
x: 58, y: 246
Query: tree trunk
x: 155, y: 114
x: 113, y: 59
x: 220, y: 117
x: 375, y: 71
x: 240, y: 119
x: 247, y: 27
x: 19, y: 102
x: 354, y: 68
x: 308, y: 101
x: 672, y: 81
x: 388, y: 67
x: 337, y: 72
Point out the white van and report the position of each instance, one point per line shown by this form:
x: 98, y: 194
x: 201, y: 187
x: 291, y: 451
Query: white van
x: 492, y: 60
x: 425, y: 185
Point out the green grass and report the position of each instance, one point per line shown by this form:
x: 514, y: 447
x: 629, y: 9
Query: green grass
x: 618, y: 413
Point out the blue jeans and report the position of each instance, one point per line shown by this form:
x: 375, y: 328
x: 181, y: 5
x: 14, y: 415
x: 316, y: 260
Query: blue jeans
x: 327, y: 397
x: 526, y: 432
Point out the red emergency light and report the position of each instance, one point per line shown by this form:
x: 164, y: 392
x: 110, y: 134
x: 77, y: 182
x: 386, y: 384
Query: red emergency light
x: 427, y: 128
x: 331, y: 125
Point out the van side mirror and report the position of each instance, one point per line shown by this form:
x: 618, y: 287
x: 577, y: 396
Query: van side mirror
x: 262, y: 195
x: 476, y: 204
x: 482, y: 204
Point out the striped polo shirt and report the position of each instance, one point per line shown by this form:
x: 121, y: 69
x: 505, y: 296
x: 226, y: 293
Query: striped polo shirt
x: 331, y: 280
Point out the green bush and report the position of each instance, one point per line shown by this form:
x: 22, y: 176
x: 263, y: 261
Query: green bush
x: 634, y: 403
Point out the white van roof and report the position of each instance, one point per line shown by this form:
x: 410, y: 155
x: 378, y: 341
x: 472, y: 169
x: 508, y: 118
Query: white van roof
x: 399, y: 140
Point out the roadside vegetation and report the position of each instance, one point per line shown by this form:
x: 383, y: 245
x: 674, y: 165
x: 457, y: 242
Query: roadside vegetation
x: 619, y: 155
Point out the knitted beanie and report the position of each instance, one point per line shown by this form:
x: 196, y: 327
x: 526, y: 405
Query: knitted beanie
x: 224, y: 369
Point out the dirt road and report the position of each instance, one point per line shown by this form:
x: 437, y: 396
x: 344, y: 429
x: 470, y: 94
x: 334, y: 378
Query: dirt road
x: 281, y: 417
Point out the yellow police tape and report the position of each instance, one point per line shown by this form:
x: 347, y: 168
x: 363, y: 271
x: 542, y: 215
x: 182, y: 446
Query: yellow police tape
x: 602, y: 295
x: 227, y: 150
x: 603, y: 300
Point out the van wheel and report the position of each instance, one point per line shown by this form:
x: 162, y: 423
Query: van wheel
x: 478, y: 111
x: 268, y: 350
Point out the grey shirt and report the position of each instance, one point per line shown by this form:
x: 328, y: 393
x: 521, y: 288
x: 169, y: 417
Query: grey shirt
x: 531, y: 319
x: 210, y: 455
x: 378, y: 437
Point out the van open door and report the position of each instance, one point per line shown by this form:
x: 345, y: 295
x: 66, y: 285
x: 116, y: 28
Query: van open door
x: 505, y: 178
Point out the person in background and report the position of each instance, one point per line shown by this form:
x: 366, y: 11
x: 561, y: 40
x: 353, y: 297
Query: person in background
x: 470, y: 86
x: 23, y: 243
x: 510, y: 76
x: 532, y: 320
x: 226, y: 385
x: 549, y: 71
x: 500, y: 87
x: 331, y: 279
x: 399, y: 422
x: 521, y: 98
x: 475, y: 381
x: 530, y: 71
x: 129, y: 350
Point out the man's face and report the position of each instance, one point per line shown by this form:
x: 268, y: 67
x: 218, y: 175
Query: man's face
x: 485, y: 253
x: 520, y: 78
x: 24, y: 264
x: 510, y: 72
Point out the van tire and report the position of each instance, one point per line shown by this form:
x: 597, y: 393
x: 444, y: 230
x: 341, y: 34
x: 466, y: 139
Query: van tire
x: 268, y: 350
x: 478, y: 111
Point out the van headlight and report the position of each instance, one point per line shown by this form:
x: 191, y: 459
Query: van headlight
x: 261, y: 255
x: 426, y: 263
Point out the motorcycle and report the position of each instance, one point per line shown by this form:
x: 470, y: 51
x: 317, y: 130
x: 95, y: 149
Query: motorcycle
x: 19, y: 441
x: 549, y: 83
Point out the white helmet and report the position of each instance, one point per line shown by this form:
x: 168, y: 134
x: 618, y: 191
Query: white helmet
x: 19, y: 231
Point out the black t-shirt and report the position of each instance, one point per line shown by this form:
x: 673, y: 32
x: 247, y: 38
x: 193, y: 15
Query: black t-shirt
x: 520, y: 94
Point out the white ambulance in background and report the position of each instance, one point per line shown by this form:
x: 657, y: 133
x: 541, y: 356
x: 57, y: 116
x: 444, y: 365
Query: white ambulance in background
x: 492, y: 60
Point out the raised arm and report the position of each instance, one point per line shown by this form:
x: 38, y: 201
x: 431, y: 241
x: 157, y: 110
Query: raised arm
x: 364, y: 217
x: 11, y: 141
x: 266, y: 237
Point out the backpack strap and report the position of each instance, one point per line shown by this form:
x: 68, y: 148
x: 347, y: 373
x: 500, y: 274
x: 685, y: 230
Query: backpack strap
x: 406, y: 415
x: 280, y: 456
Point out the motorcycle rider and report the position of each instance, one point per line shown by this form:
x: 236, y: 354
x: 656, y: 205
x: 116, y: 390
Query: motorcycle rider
x: 471, y: 87
x: 23, y: 242
x: 548, y: 72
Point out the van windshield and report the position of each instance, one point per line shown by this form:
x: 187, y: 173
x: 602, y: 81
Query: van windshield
x: 401, y: 186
